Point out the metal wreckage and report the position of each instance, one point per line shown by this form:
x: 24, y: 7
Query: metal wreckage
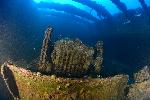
x: 63, y: 75
x: 70, y: 57
x: 70, y: 71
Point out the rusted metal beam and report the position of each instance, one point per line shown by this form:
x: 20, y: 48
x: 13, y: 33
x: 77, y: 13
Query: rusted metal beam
x: 101, y: 11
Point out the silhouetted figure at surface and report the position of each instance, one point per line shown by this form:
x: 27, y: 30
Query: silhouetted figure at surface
x: 69, y: 9
x: 101, y: 11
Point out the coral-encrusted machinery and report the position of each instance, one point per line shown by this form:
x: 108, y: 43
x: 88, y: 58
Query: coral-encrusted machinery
x: 70, y: 57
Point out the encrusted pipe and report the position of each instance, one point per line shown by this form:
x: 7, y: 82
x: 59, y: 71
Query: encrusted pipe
x: 43, y: 55
x: 99, y: 56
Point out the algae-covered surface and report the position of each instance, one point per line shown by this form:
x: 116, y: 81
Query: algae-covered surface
x: 140, y: 91
x: 35, y: 86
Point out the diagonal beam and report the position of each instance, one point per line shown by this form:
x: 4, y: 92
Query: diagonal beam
x: 68, y: 17
x: 101, y: 11
x: 69, y: 9
x: 121, y: 6
x: 145, y: 7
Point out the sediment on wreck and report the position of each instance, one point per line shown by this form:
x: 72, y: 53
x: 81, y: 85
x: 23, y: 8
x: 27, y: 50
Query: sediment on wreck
x: 37, y: 86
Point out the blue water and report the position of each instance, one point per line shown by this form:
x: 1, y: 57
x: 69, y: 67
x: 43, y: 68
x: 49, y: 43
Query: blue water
x: 126, y: 39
